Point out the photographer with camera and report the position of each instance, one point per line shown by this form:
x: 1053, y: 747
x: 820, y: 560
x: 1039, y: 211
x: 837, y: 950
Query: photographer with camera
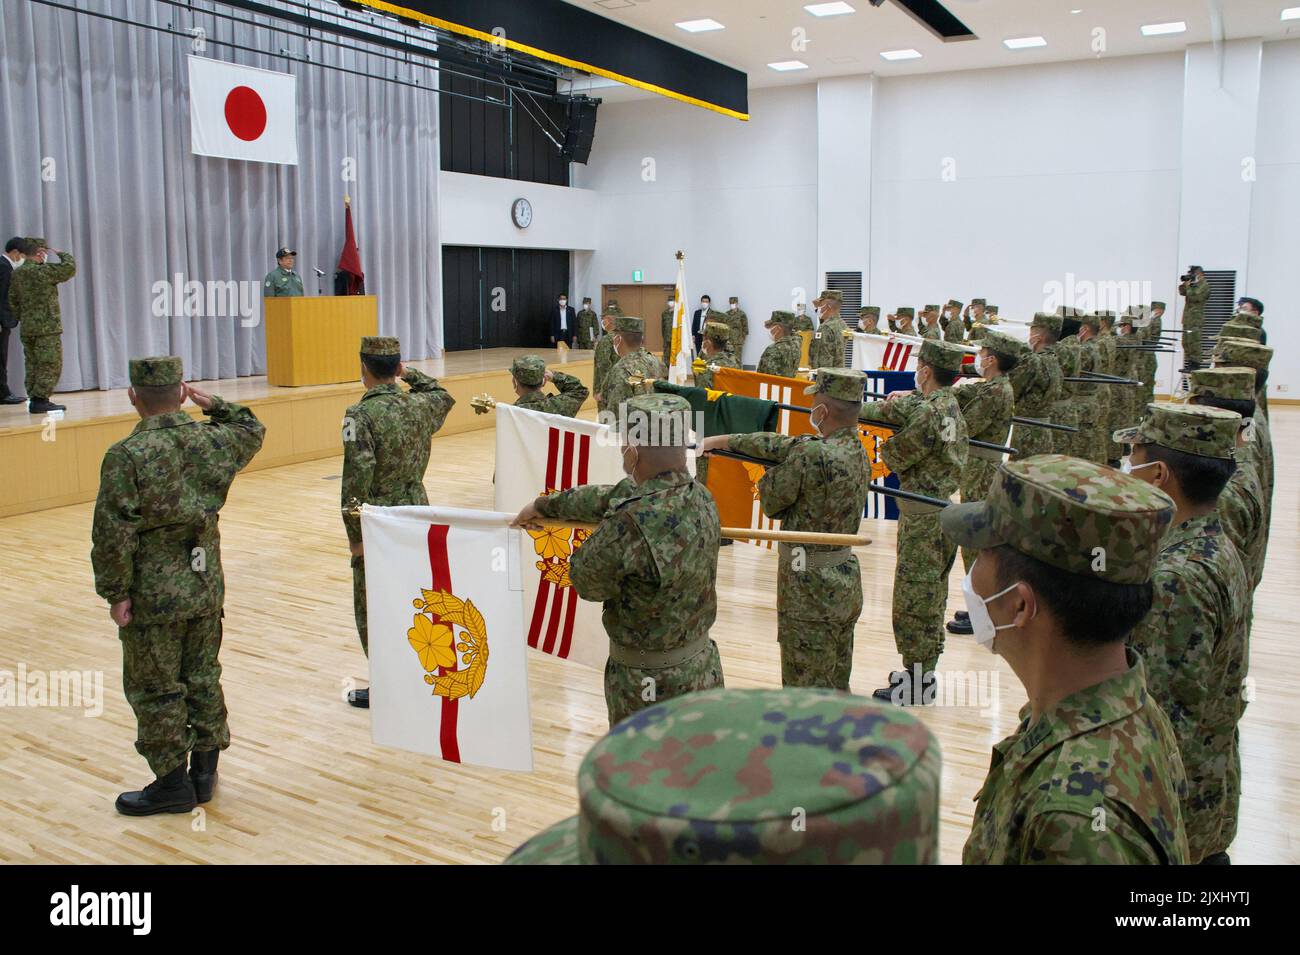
x: 1195, y: 288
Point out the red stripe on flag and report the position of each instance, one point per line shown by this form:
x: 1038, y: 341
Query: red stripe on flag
x: 552, y: 449
x: 539, y: 611
x: 567, y: 634
x: 440, y: 569
x: 553, y: 621
x: 584, y: 452
x: 568, y: 461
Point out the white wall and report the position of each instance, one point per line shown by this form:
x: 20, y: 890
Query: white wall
x: 740, y: 199
x: 475, y: 210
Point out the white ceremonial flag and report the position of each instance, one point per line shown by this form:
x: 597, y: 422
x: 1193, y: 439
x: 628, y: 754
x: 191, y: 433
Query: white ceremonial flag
x: 538, y: 453
x: 885, y: 352
x: 442, y: 587
x: 240, y: 112
x: 682, y: 347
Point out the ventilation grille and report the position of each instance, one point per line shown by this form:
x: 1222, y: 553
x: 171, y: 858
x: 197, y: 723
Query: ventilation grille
x: 1218, y: 309
x: 850, y: 285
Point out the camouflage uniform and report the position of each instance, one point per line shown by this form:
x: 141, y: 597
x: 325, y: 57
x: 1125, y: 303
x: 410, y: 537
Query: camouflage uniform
x: 1036, y: 384
x: 826, y: 350
x: 34, y: 301
x: 724, y: 357
x: 818, y: 483
x: 636, y: 363
x: 1194, y: 639
x: 954, y: 330
x: 653, y: 562
x: 869, y: 320
x: 932, y: 333
x: 588, y: 328
x: 1064, y: 409
x: 1196, y: 295
x: 386, y: 449
x: 1116, y: 395
x: 1150, y: 361
x: 156, y: 541
x: 713, y: 777
x: 1093, y: 400
x: 1095, y: 778
x: 666, y: 330
x: 736, y: 320
x: 530, y: 371
x: 281, y: 282
x: 986, y: 407
x: 781, y: 358
x: 928, y: 453
x: 603, y: 361
x: 1235, y: 352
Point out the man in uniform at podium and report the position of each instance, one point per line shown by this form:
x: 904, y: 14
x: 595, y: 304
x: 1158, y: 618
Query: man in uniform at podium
x: 282, y: 280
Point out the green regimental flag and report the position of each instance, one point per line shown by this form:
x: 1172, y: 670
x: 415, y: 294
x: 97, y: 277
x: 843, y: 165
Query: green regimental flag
x: 724, y: 413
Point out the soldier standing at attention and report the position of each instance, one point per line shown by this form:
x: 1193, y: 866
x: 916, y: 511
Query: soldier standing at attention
x: 666, y: 328
x: 781, y: 358
x: 817, y: 483
x: 1194, y: 639
x: 1239, y: 353
x: 1036, y: 383
x: 1114, y: 362
x: 282, y: 280
x: 386, y: 449
x: 157, y: 559
x: 986, y: 406
x: 928, y: 453
x: 738, y: 322
x: 1150, y: 367
x: 588, y: 326
x: 826, y: 350
x: 1095, y: 404
x: 653, y: 560
x: 1045, y: 335
x: 633, y: 361
x: 605, y: 355
x: 34, y: 301
x: 1092, y: 775
x: 953, y: 328
x: 1195, y: 288
x: 869, y: 320
x: 716, y: 353
x: 529, y: 373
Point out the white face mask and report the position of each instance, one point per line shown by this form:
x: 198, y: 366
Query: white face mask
x: 982, y: 624
x: 563, y: 302
x: 812, y: 418
x: 1128, y: 467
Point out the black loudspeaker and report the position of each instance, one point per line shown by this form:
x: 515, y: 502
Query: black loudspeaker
x: 581, y: 129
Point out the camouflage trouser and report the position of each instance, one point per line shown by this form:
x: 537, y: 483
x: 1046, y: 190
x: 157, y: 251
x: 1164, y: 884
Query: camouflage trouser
x: 925, y: 557
x: 628, y: 688
x: 1193, y: 324
x: 814, y: 653
x: 1148, y: 389
x: 1100, y: 447
x: 1065, y: 442
x: 44, y: 357
x: 1231, y: 794
x: 976, y: 480
x: 359, y: 601
x: 172, y: 679
x: 816, y: 610
x: 1208, y: 767
x: 1029, y: 441
x: 702, y: 471
x: 1121, y: 416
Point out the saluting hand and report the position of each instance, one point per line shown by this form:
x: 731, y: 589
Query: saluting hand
x: 200, y: 398
x: 121, y: 612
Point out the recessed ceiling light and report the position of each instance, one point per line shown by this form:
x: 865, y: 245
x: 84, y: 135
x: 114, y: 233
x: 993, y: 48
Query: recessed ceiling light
x: 1024, y: 42
x: 786, y: 65
x: 901, y: 55
x: 1164, y: 29
x: 1291, y: 13
x: 828, y: 9
x: 700, y: 26
x: 1076, y: 11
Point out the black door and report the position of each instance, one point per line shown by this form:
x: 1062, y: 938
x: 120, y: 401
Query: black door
x: 500, y: 298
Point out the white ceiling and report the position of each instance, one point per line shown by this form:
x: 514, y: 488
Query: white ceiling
x: 759, y: 32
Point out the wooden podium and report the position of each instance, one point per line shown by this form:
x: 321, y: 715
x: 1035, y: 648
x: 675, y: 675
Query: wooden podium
x: 316, y: 340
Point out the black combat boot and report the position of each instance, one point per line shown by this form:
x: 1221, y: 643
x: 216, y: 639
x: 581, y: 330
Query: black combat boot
x: 359, y: 698
x: 900, y: 686
x: 960, y: 623
x: 203, y: 773
x: 171, y: 793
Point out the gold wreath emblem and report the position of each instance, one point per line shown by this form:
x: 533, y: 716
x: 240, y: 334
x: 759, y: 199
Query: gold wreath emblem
x: 433, y: 638
x: 556, y: 546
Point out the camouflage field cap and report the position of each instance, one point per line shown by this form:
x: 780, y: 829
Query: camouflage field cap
x: 38, y: 243
x: 657, y: 419
x: 1091, y: 320
x: 733, y: 300
x: 1051, y: 323
x: 869, y: 310
x: 930, y: 308
x: 944, y: 355
x: 528, y: 369
x: 1235, y: 329
x: 996, y: 341
x: 906, y: 312
x: 1160, y: 305
x: 1060, y: 510
x: 1242, y: 352
x: 780, y: 318
x: 156, y: 371
x: 1193, y: 429
x: 380, y: 346
x: 802, y: 323
x: 717, y: 332
x: 991, y: 309
x: 953, y: 303
x: 977, y: 301
x: 830, y: 295
x: 1248, y: 318
x: 628, y: 323
x: 713, y: 777
x: 1235, y: 384
x: 846, y: 384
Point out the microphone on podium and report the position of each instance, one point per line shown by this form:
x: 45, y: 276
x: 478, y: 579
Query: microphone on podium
x: 320, y: 275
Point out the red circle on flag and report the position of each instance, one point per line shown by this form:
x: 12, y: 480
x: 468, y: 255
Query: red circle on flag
x: 245, y: 113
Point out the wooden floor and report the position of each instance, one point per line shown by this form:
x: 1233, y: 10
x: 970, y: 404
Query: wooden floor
x: 302, y: 781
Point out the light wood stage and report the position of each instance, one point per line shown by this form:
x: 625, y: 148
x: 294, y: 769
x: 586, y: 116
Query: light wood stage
x: 302, y: 782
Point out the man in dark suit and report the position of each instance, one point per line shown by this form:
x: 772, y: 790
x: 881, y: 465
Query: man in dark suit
x: 15, y: 254
x: 564, y: 321
x: 699, y: 320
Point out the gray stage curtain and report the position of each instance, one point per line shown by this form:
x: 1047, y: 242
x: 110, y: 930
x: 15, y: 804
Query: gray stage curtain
x: 109, y: 104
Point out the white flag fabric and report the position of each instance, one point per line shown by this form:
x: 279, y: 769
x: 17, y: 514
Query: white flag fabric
x: 240, y: 112
x: 685, y: 354
x: 448, y: 669
x: 884, y: 352
x: 538, y: 453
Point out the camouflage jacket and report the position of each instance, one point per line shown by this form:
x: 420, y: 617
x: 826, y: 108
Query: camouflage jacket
x: 954, y: 331
x: 738, y: 322
x: 1036, y: 384
x: 929, y: 449
x: 987, y: 407
x: 1196, y: 294
x: 1095, y: 779
x: 1260, y: 453
x: 1108, y: 348
x: 572, y: 394
x: 1241, y: 506
x: 933, y: 332
x: 603, y: 361
x: 1150, y: 335
x: 155, y: 537
x: 653, y: 560
x: 386, y: 448
x: 281, y: 283
x: 781, y: 358
x: 588, y: 328
x: 666, y: 329
x: 34, y: 295
x: 1193, y: 642
x: 826, y: 350
x: 639, y: 362
x: 1090, y: 359
x: 723, y: 359
x: 1066, y: 353
x: 815, y: 483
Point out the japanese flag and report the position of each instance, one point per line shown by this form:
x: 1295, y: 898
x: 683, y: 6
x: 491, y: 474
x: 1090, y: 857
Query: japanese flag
x: 238, y: 112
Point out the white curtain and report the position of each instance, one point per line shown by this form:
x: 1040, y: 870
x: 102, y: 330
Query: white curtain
x: 96, y: 158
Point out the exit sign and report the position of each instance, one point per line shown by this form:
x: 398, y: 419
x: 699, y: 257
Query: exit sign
x: 637, y: 275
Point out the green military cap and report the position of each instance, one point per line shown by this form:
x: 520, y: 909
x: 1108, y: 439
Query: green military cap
x: 1241, y: 351
x: 939, y: 354
x: 780, y: 318
x: 802, y: 323
x: 155, y: 371
x: 846, y: 384
x: 657, y: 419
x: 1065, y: 511
x: 870, y: 310
x: 37, y: 242
x: 978, y: 301
x: 1248, y: 318
x: 613, y: 303
x: 1053, y: 323
x: 953, y: 301
x: 1193, y: 429
x: 718, y: 332
x: 1157, y: 304
x: 1002, y: 342
x: 930, y: 308
x: 1236, y: 384
x: 991, y: 308
x: 1092, y: 320
x: 528, y: 369
x: 906, y: 311
x: 380, y: 346
x: 628, y: 323
x: 1235, y: 329
x: 831, y: 294
x: 733, y: 300
x: 712, y: 777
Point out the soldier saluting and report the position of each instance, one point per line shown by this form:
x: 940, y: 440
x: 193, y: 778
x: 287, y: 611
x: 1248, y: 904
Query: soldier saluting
x: 529, y: 374
x: 157, y: 559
